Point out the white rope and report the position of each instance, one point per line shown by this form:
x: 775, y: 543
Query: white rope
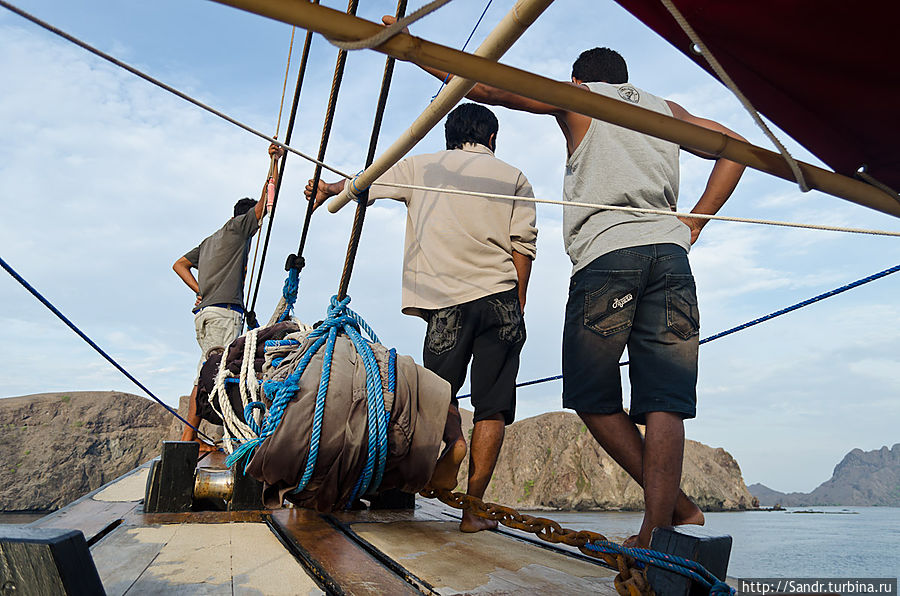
x: 248, y: 382
x: 232, y: 424
x: 767, y: 222
x: 391, y: 30
x: 727, y: 80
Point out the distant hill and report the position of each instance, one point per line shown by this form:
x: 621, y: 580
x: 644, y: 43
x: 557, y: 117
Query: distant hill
x: 862, y: 478
x: 55, y: 447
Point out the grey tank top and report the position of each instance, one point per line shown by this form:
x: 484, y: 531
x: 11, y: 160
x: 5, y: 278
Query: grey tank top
x: 616, y: 166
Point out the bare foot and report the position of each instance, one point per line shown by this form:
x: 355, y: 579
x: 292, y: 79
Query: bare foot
x: 447, y: 467
x: 686, y: 512
x: 631, y: 542
x: 472, y: 523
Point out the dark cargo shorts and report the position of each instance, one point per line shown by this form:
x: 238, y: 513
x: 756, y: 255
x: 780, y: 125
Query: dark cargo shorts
x: 490, y: 332
x: 643, y: 297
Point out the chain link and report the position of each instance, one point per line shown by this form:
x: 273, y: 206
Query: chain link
x: 630, y: 581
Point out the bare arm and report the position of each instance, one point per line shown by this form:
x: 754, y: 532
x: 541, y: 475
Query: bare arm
x: 260, y: 208
x: 722, y: 180
x: 325, y: 191
x: 522, y: 263
x: 183, y: 268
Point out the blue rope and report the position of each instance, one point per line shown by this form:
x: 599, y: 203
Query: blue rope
x: 281, y: 343
x: 340, y: 319
x: 291, y: 285
x: 447, y: 78
x: 748, y: 324
x: 91, y: 343
x: 680, y: 565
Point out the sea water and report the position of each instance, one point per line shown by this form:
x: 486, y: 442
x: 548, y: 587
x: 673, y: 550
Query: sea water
x: 834, y: 542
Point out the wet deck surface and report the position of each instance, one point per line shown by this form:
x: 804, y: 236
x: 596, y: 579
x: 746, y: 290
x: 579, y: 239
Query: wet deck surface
x: 293, y: 551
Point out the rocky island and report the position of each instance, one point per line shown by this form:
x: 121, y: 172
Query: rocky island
x: 56, y: 447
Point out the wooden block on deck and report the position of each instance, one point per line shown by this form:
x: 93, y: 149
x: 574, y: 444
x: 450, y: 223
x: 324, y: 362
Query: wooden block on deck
x: 42, y: 561
x: 340, y: 564
x: 712, y: 552
x: 170, y: 485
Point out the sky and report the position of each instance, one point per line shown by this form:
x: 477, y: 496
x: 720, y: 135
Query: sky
x: 107, y: 180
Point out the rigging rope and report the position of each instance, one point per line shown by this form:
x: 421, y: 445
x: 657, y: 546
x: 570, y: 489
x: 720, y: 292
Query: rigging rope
x: 91, y: 343
x: 301, y: 73
x: 463, y: 49
x: 165, y: 87
x: 362, y: 205
x: 768, y: 222
x: 296, y: 262
x: 268, y: 188
x: 391, y: 30
x: 732, y: 86
x: 754, y: 322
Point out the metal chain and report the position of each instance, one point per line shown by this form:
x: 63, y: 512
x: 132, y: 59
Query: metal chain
x: 630, y: 581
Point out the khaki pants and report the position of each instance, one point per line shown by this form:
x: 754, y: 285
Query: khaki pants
x: 216, y: 327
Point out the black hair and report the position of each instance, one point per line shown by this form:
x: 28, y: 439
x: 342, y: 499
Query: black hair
x: 600, y: 65
x: 470, y: 123
x: 243, y: 206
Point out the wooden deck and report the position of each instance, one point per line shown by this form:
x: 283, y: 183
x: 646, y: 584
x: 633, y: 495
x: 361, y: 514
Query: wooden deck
x: 295, y: 551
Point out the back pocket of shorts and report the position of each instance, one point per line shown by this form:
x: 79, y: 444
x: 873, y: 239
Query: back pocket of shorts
x: 682, y: 312
x: 610, y: 299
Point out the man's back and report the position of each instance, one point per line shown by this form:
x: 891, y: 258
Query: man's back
x: 459, y: 248
x: 616, y: 166
x: 221, y: 261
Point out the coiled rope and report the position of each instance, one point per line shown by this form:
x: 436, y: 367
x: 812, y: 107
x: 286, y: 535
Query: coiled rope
x: 339, y: 320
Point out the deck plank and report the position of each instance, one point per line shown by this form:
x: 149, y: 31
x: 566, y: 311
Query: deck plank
x: 483, y: 563
x: 90, y: 516
x: 341, y: 560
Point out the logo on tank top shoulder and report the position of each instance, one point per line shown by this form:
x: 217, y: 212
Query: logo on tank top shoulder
x: 629, y: 93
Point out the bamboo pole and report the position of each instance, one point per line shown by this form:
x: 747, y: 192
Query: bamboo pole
x: 337, y: 25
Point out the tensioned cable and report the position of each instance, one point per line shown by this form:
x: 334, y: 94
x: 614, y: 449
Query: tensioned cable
x: 91, y: 343
x: 301, y: 73
x: 361, y: 206
x: 465, y: 45
x: 785, y: 224
x: 391, y: 30
x: 164, y: 86
x: 287, y: 70
x: 732, y: 86
x: 763, y: 319
x: 326, y: 133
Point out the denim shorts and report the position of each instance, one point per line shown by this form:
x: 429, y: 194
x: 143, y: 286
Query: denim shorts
x: 642, y: 297
x: 489, y: 331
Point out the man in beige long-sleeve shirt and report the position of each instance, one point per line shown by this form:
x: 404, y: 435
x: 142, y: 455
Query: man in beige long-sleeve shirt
x: 466, y: 266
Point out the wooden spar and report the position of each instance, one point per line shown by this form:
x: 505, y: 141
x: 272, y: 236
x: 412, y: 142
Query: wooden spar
x: 513, y: 25
x: 337, y: 25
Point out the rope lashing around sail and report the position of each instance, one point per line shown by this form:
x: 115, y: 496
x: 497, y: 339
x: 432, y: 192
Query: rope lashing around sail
x: 12, y: 272
x: 732, y: 86
x: 748, y: 324
x: 391, y: 30
x: 340, y: 320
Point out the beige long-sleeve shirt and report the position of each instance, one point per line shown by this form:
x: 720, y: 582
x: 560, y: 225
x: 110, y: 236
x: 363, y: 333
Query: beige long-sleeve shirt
x: 459, y: 248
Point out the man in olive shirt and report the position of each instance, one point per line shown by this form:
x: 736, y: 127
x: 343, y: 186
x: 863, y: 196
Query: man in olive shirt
x: 221, y: 263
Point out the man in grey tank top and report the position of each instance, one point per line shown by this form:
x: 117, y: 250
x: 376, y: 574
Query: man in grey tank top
x: 631, y: 282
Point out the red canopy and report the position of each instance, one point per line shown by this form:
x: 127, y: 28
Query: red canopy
x: 825, y: 71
